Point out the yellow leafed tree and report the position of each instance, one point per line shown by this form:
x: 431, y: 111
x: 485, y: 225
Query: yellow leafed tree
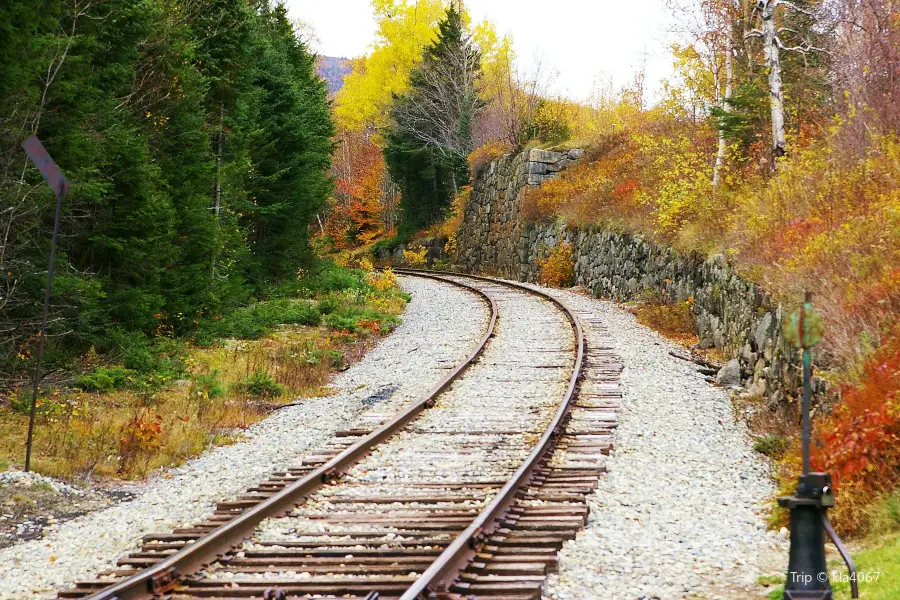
x: 404, y: 29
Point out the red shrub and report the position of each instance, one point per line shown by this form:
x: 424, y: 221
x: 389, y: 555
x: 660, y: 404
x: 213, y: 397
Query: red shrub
x: 860, y: 440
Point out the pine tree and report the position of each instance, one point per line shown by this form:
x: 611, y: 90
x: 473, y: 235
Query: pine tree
x: 431, y: 132
x: 197, y: 139
x: 283, y: 112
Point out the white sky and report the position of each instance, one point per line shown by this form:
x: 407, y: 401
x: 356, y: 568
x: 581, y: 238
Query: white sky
x: 584, y: 41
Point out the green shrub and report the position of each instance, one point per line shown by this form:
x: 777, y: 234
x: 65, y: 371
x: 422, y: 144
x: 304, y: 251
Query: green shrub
x: 349, y: 318
x: 329, y: 304
x: 334, y: 358
x: 343, y: 320
x: 21, y: 404
x: 390, y: 244
x: 335, y: 279
x: 255, y: 321
x: 260, y: 385
x: 105, y: 379
x: 771, y: 445
x: 209, y: 384
x: 441, y: 265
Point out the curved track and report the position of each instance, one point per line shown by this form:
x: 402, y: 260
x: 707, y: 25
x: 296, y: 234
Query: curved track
x: 471, y: 490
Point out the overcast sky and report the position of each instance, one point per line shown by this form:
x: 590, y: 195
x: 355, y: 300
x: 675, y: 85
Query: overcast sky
x: 584, y: 41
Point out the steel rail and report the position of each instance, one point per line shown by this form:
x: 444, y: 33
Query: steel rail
x: 161, y: 577
x: 439, y: 577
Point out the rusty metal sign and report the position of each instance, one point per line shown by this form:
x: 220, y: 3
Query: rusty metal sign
x: 60, y: 186
x: 42, y: 160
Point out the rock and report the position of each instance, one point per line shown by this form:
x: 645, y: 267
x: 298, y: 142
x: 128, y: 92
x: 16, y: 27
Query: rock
x: 576, y: 153
x: 560, y: 166
x: 538, y: 168
x: 762, y: 331
x: 542, y: 156
x: 758, y: 388
x: 730, y: 374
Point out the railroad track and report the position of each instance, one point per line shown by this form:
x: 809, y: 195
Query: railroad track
x: 469, y: 492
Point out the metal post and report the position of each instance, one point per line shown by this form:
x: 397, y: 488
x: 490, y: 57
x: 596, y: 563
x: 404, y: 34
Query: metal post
x: 807, y: 376
x: 807, y: 577
x: 40, y: 353
x: 57, y: 182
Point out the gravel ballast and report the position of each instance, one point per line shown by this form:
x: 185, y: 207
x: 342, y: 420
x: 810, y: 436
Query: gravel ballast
x: 478, y: 432
x: 440, y: 326
x: 681, y: 512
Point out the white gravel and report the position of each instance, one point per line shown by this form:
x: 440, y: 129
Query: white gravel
x: 439, y: 328
x: 681, y: 512
x: 23, y: 479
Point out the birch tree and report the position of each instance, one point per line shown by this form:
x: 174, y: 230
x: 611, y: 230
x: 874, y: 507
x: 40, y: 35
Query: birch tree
x: 440, y: 109
x: 770, y: 34
x: 707, y: 63
x: 724, y: 105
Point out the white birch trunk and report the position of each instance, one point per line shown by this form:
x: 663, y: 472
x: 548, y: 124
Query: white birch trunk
x: 723, y: 104
x: 773, y: 63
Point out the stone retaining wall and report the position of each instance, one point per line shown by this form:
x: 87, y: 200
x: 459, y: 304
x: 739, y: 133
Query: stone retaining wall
x: 732, y: 314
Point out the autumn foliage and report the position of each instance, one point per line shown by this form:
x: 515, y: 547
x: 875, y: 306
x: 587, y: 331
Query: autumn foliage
x: 859, y: 442
x: 357, y: 210
x: 557, y: 269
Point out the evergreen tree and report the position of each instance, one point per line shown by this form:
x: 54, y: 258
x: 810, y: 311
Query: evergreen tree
x: 167, y: 220
x: 286, y: 127
x: 431, y: 132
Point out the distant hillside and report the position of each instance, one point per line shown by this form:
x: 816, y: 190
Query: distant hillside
x: 333, y: 70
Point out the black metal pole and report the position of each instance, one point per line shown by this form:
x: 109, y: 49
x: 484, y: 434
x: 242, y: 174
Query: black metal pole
x: 807, y: 577
x: 40, y: 353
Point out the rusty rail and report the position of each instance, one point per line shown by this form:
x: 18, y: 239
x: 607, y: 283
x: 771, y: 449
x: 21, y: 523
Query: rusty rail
x: 438, y: 578
x: 163, y: 576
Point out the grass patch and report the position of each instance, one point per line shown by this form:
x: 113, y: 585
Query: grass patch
x: 253, y: 322
x: 171, y: 401
x: 773, y: 446
x: 769, y: 580
x: 674, y: 321
x: 260, y: 385
x: 881, y: 556
x: 884, y: 515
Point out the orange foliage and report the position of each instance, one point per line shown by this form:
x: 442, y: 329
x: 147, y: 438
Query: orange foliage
x: 558, y: 268
x: 601, y: 187
x: 823, y: 222
x: 141, y: 437
x: 487, y: 153
x: 356, y: 215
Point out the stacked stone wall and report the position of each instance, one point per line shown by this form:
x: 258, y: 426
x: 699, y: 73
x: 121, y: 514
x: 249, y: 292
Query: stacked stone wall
x: 732, y: 314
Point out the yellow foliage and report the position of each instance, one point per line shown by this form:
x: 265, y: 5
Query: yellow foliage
x: 828, y: 221
x: 487, y: 153
x: 365, y: 263
x: 404, y: 29
x: 680, y: 179
x: 450, y: 246
x: 416, y: 256
x: 558, y: 268
x: 383, y: 280
x: 343, y: 259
